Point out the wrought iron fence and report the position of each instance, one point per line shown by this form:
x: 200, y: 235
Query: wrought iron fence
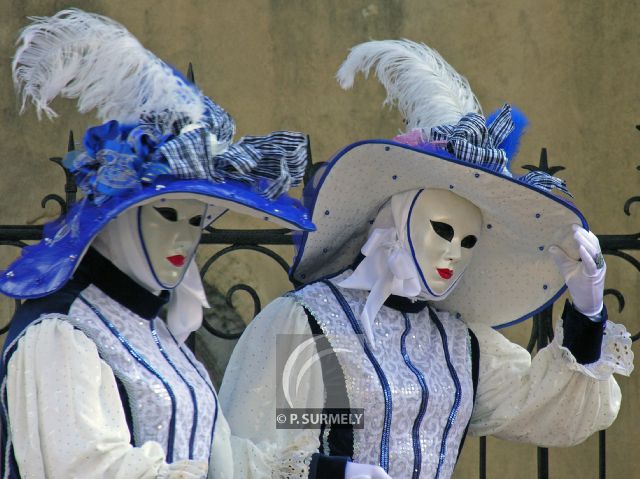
x: 255, y: 240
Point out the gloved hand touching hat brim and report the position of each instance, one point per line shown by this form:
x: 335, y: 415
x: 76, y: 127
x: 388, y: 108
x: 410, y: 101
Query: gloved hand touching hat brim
x: 585, y: 276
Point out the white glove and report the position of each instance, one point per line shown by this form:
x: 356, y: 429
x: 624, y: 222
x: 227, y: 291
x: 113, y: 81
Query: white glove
x: 584, y: 279
x: 184, y: 470
x: 364, y: 471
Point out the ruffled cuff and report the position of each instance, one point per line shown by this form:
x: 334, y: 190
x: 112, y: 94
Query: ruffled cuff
x: 183, y: 470
x: 293, y: 460
x: 616, y: 355
x: 298, y: 465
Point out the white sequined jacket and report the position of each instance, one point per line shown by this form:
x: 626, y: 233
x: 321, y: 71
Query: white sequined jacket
x: 95, y: 386
x: 415, y: 386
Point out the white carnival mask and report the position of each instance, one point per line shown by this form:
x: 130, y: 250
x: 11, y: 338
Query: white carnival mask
x: 170, y: 231
x: 154, y: 244
x: 442, y: 230
x: 419, y: 246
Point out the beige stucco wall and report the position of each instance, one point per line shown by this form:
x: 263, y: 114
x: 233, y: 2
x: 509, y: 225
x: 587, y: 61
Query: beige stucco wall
x: 571, y: 66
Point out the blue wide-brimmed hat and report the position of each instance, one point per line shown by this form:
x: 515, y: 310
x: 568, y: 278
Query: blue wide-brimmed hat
x: 162, y: 138
x: 448, y: 145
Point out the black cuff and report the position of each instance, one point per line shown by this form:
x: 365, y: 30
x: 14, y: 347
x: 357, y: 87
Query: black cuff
x: 582, y: 336
x: 327, y: 467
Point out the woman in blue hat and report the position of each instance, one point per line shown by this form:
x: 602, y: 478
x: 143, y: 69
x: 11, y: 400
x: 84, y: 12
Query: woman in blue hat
x: 424, y: 245
x: 94, y: 384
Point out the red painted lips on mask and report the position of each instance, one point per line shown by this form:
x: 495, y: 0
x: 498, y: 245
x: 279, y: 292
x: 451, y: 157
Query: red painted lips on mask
x: 445, y: 273
x: 176, y: 260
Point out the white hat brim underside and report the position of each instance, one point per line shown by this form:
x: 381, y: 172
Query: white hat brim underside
x: 511, y: 275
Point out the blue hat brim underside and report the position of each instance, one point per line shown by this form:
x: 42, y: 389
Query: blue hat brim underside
x: 46, y: 266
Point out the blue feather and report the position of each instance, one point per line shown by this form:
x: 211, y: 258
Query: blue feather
x: 511, y: 144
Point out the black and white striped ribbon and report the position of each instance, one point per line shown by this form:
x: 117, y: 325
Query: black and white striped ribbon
x: 545, y: 181
x: 273, y: 163
x: 471, y: 140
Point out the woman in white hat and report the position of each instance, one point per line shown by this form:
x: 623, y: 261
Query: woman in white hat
x: 94, y: 383
x: 452, y: 246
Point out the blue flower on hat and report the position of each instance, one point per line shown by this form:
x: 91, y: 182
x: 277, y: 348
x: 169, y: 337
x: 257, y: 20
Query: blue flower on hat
x: 119, y: 158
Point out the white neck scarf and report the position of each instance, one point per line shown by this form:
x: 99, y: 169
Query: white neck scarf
x: 388, y: 267
x: 120, y: 242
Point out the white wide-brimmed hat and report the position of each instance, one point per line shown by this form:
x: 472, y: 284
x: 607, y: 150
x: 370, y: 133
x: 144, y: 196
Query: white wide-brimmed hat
x: 449, y: 145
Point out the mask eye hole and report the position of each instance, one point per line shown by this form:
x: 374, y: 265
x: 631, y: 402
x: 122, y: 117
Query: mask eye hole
x: 443, y: 230
x: 196, y: 221
x: 168, y: 214
x: 468, y: 241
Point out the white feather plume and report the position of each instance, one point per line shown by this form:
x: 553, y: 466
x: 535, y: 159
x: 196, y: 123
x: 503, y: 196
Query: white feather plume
x: 75, y: 54
x: 426, y: 89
